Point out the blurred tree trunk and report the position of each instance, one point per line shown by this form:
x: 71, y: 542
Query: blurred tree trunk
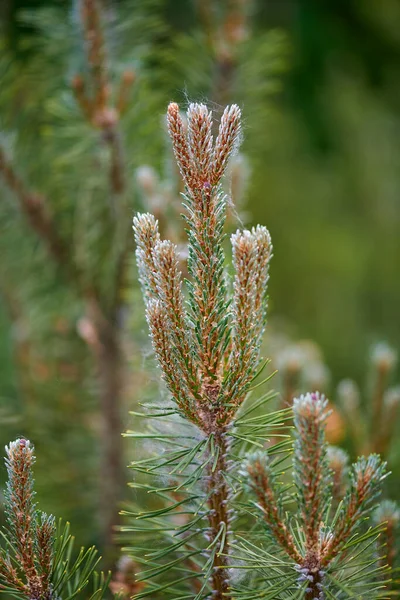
x: 109, y: 357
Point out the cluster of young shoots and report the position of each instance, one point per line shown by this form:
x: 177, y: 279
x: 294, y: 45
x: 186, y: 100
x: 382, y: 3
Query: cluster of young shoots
x: 317, y: 542
x: 37, y: 560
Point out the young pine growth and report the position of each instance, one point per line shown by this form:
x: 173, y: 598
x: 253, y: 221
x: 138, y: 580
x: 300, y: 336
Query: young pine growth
x: 388, y: 515
x: 327, y: 554
x: 35, y: 561
x: 372, y: 420
x: 207, y: 342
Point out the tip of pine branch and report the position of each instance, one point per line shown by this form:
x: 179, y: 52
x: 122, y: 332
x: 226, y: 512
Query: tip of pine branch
x: 310, y: 405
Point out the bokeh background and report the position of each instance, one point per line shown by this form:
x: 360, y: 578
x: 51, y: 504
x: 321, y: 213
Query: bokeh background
x: 318, y: 84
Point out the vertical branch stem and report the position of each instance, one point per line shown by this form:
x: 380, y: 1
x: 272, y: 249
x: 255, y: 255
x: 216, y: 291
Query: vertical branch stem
x: 219, y: 496
x: 109, y: 358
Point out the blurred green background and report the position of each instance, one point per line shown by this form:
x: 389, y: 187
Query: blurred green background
x: 318, y: 84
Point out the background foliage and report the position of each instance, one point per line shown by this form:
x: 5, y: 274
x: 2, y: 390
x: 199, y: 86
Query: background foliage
x: 317, y: 83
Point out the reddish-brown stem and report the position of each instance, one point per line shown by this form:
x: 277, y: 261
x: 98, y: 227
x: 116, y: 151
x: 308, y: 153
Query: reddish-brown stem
x: 218, y: 517
x: 313, y: 587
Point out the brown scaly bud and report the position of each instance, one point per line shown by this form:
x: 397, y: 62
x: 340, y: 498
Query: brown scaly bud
x: 227, y: 141
x: 145, y: 227
x: 79, y: 88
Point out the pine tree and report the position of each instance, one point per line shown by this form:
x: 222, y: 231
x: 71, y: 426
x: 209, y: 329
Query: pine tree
x: 85, y: 106
x: 319, y: 544
x: 74, y: 233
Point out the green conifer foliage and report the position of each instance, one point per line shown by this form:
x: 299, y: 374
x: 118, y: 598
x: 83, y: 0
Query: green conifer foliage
x: 206, y: 334
x: 78, y: 116
x: 37, y: 559
x: 331, y: 553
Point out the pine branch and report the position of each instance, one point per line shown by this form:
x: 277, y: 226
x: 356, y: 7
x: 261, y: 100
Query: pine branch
x: 262, y: 483
x: 366, y: 477
x: 21, y: 514
x: 103, y: 112
x: 320, y: 550
x: 96, y: 103
x: 373, y: 430
x: 311, y: 474
x: 35, y: 563
x: 207, y: 372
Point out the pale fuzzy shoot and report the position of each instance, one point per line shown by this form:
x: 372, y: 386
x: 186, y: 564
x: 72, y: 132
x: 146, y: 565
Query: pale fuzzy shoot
x: 202, y: 166
x: 168, y: 280
x: 226, y: 143
x: 157, y: 319
x: 180, y: 146
x: 200, y: 139
x: 252, y: 252
x: 311, y: 471
x: 45, y: 535
x: 147, y: 235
